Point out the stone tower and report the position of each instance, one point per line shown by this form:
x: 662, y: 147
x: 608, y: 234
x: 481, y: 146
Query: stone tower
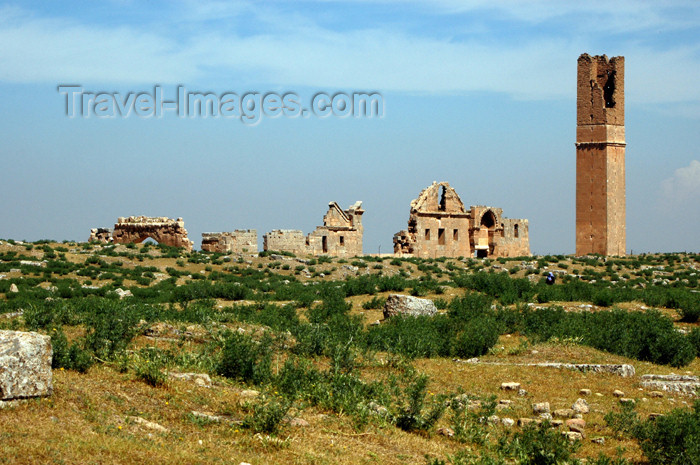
x: 600, y: 156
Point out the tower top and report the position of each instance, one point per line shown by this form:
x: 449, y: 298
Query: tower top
x: 601, y: 90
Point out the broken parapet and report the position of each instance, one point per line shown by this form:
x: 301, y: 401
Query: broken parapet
x: 684, y: 384
x: 136, y: 229
x: 103, y: 235
x: 239, y: 241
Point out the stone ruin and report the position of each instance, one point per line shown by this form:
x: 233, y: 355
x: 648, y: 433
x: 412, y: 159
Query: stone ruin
x: 240, y: 241
x: 100, y: 235
x: 600, y: 156
x: 136, y: 229
x: 439, y: 225
x: 340, y: 235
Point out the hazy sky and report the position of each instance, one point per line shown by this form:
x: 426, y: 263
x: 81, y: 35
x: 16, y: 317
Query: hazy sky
x: 479, y: 93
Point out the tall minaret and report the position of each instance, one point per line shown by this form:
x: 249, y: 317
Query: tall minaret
x: 600, y: 156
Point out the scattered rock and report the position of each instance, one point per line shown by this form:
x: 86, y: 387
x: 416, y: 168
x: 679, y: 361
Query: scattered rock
x: 507, y: 421
x: 522, y: 392
x: 540, y: 407
x: 298, y: 422
x: 522, y: 422
x: 598, y: 440
x: 656, y: 394
x: 13, y: 288
x: 563, y: 413
x: 407, y: 305
x: 148, y: 424
x: 572, y: 436
x: 444, y: 431
x: 580, y: 406
x: 585, y: 392
x: 25, y: 365
x: 625, y: 400
x: 576, y: 424
x: 618, y: 393
x: 510, y: 386
x: 216, y: 418
x: 247, y: 396
x: 377, y: 409
x: 556, y: 423
x: 200, y: 379
x: 123, y: 293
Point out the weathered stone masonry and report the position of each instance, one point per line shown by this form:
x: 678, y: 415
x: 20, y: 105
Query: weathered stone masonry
x: 136, y: 229
x: 600, y: 156
x: 240, y: 241
x: 340, y: 235
x: 439, y: 225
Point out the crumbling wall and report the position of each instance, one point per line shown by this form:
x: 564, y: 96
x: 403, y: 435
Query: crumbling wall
x: 240, y: 241
x: 340, y: 236
x: 136, y: 229
x: 440, y: 226
x: 103, y: 235
x: 285, y: 240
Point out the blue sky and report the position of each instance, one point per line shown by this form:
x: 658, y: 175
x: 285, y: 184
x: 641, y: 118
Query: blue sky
x: 477, y: 93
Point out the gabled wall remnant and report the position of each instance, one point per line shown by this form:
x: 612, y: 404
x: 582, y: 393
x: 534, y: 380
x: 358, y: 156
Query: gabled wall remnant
x: 440, y: 226
x: 136, y: 229
x: 340, y: 235
x: 238, y: 241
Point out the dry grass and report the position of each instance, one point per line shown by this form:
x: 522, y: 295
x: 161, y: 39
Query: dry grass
x: 88, y: 418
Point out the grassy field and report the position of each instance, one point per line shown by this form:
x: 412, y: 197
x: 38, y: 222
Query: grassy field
x: 304, y: 371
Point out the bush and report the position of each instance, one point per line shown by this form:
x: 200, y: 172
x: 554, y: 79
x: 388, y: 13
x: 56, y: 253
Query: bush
x: 540, y: 445
x: 672, y: 439
x: 265, y: 417
x: 409, y: 414
x: 244, y: 359
x: 70, y: 357
x: 110, y: 326
x: 477, y: 337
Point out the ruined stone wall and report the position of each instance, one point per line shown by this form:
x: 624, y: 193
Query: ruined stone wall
x: 103, y: 235
x: 600, y: 156
x: 240, y: 241
x: 136, y: 229
x: 514, y: 240
x: 340, y: 236
x: 440, y: 226
x: 285, y: 240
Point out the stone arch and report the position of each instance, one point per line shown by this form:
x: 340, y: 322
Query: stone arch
x: 488, y: 219
x: 136, y: 229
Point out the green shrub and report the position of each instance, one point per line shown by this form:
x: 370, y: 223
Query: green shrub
x: 245, y: 359
x: 374, y: 303
x: 266, y: 416
x: 70, y: 357
x: 409, y: 414
x: 478, y: 336
x: 110, y: 326
x: 539, y: 445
